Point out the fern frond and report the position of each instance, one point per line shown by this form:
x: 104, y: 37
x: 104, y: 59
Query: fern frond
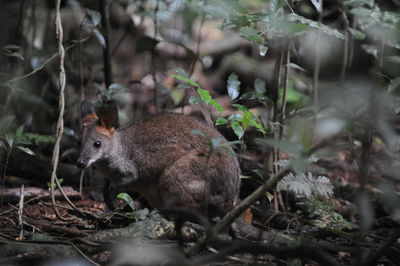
x: 307, y: 185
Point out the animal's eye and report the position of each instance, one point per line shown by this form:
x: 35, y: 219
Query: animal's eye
x: 97, y: 144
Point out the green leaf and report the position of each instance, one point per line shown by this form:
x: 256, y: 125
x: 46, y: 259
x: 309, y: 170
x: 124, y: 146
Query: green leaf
x: 357, y: 34
x: 145, y: 44
x: 255, y: 122
x: 369, y: 3
x: 39, y: 138
x: 250, y: 34
x: 60, y: 180
x: 233, y: 86
x: 262, y: 49
x: 206, y: 97
x: 235, y: 117
x: 99, y: 37
x: 246, y: 118
x: 10, y: 47
x: 317, y: 4
x: 238, y: 129
x: 294, y: 28
x: 240, y: 107
x: 295, y: 66
x: 316, y: 25
x: 177, y: 95
x: 370, y: 49
x: 9, y: 140
x: 293, y: 96
x: 26, y: 150
x: 187, y: 80
x: 117, y: 87
x: 128, y: 199
x: 269, y: 196
x: 394, y: 85
x: 94, y: 16
x: 16, y: 55
x: 19, y: 131
x: 194, y: 100
x: 221, y: 121
x: 394, y: 59
x: 215, y: 9
x: 259, y: 86
x: 235, y: 5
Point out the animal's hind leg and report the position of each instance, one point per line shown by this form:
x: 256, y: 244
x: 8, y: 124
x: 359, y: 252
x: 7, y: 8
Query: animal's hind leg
x: 183, y: 184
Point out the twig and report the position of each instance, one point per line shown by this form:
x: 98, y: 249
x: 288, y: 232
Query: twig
x: 12, y: 208
x: 197, y: 54
x: 122, y: 38
x: 275, y: 99
x: 61, y: 105
x: 20, y: 212
x: 244, y: 204
x: 51, y: 58
x: 244, y: 261
x: 81, y: 95
x: 285, y: 87
x: 81, y: 182
x: 233, y: 214
x: 67, y: 199
x: 83, y: 254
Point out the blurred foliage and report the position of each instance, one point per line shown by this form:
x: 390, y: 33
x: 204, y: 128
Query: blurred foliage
x: 340, y: 82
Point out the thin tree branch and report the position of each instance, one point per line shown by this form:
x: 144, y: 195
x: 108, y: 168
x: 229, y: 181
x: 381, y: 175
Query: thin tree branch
x: 275, y: 99
x: 285, y: 87
x: 51, y: 58
x: 197, y: 53
x: 20, y: 212
x: 244, y: 204
x: 105, y: 21
x: 61, y: 106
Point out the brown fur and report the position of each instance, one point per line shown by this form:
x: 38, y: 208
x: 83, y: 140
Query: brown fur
x: 89, y: 118
x: 161, y: 159
x: 109, y: 132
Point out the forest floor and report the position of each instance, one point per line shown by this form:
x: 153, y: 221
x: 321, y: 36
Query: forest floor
x: 93, y: 230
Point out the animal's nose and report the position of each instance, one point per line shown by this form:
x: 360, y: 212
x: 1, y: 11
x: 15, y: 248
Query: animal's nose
x: 80, y: 164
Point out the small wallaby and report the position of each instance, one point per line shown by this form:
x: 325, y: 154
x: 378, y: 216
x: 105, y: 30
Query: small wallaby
x: 163, y: 159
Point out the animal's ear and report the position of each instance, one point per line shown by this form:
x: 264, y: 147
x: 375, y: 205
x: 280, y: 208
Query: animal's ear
x: 108, y: 115
x: 88, y: 114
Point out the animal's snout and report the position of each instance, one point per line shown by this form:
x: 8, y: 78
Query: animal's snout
x: 80, y: 163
